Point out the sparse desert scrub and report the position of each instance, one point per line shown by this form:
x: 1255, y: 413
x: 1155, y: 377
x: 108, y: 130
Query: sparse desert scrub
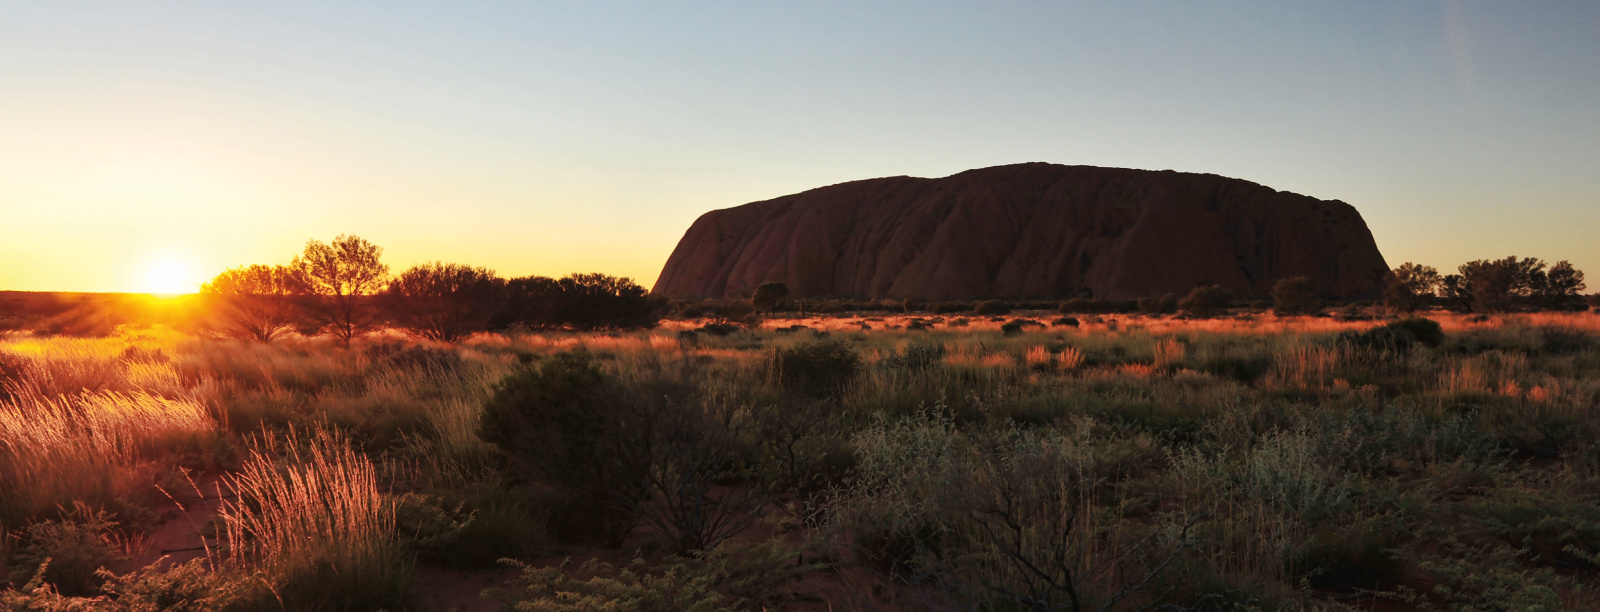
x: 1275, y: 462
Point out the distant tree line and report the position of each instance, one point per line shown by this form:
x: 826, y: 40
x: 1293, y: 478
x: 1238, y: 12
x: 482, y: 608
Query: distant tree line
x: 344, y: 289
x: 1503, y: 285
x: 1499, y: 285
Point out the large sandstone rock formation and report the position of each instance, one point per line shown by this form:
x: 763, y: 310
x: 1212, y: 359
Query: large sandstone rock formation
x: 1028, y: 230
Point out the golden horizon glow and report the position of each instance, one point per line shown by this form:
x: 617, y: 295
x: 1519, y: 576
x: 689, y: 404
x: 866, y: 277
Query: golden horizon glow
x: 167, y: 276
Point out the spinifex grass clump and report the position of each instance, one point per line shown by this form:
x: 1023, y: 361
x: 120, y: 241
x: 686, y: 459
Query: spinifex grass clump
x: 310, y: 521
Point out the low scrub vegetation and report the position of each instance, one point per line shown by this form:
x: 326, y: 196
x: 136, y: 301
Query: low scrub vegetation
x: 1115, y: 460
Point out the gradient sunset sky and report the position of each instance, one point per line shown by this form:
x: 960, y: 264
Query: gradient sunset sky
x: 545, y: 138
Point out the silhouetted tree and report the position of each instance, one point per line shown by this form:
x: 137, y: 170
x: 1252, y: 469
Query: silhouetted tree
x: 1294, y: 296
x: 1409, y: 286
x: 443, y: 301
x: 769, y: 296
x: 255, y: 303
x: 1563, y: 286
x: 1495, y: 285
x: 1457, y: 292
x: 598, y: 301
x: 533, y: 302
x: 343, y: 276
x: 579, y: 301
x: 1205, y: 301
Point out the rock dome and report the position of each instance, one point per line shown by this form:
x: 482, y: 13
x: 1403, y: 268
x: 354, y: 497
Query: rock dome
x: 1028, y: 230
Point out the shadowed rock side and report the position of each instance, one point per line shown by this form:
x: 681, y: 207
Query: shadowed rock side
x: 1028, y: 230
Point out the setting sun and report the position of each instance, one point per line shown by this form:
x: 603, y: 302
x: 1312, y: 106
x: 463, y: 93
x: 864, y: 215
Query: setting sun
x: 168, y: 276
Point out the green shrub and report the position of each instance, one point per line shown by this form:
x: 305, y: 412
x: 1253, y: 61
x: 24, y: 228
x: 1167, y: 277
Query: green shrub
x: 698, y: 444
x: 1206, y: 301
x: 1490, y: 579
x: 769, y: 297
x: 917, y: 356
x: 1557, y: 528
x: 186, y: 587
x: 991, y: 308
x: 476, y: 526
x: 718, y: 329
x: 1294, y: 296
x: 68, y: 551
x: 819, y: 369
x: 1076, y: 306
x: 1351, y: 557
x: 1397, y: 336
x: 573, y: 426
x: 1017, y: 326
x: 1426, y: 331
x: 745, y: 579
x: 1561, y: 340
x: 1149, y: 305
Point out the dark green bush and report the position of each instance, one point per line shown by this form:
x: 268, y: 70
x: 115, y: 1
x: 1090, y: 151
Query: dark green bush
x: 1397, y: 336
x: 1075, y: 306
x: 719, y: 329
x: 727, y: 579
x: 477, y: 526
x: 818, y: 369
x: 917, y: 356
x: 70, y: 550
x: 1564, y: 340
x: 573, y: 426
x: 1065, y: 322
x: 1294, y: 296
x: 1150, y: 305
x: 1017, y: 326
x: 991, y: 308
x: 187, y: 587
x: 1426, y: 331
x: 769, y: 297
x: 1557, y: 528
x: 1203, y: 302
x: 1359, y: 557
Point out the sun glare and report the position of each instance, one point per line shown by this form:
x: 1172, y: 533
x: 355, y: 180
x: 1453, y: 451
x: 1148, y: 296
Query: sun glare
x: 169, y: 277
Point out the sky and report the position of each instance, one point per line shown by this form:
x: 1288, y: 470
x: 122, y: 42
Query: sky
x: 150, y: 145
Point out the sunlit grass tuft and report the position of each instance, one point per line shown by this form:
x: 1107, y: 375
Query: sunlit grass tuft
x: 55, y: 451
x: 309, y: 516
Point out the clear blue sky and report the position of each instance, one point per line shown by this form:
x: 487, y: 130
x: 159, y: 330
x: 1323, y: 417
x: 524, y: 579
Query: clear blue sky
x: 586, y: 136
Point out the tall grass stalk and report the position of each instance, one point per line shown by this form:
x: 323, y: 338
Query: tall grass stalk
x: 315, y: 524
x: 57, y: 450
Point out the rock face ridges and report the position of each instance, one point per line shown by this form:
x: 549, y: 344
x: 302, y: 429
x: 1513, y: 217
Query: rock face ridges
x: 1028, y: 230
